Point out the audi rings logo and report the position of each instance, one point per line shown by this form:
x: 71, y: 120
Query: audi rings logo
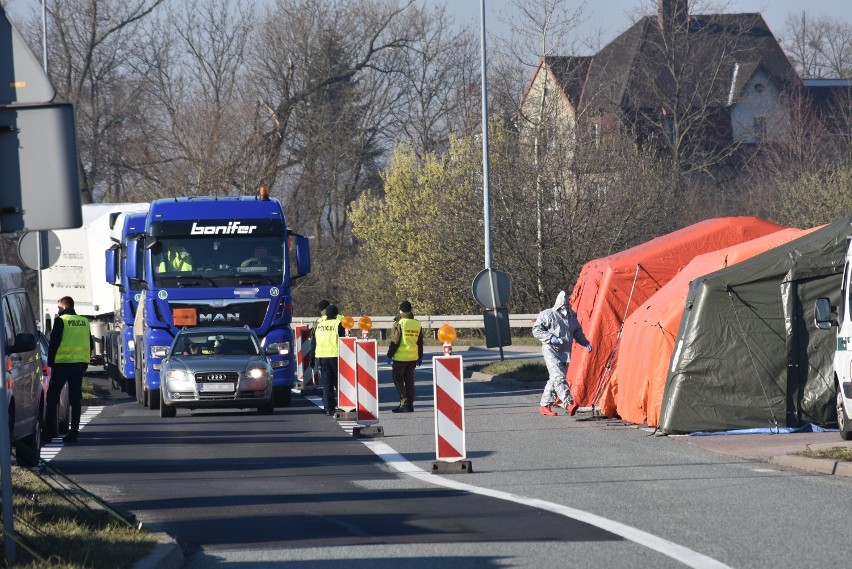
x: 217, y: 377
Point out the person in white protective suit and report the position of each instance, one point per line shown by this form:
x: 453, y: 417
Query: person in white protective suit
x: 557, y: 328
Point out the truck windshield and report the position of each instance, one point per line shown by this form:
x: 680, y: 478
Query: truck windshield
x: 218, y: 261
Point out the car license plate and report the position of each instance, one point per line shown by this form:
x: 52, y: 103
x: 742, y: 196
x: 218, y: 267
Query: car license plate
x: 215, y: 387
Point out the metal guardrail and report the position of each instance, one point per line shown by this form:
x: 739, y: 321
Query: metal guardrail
x: 433, y: 322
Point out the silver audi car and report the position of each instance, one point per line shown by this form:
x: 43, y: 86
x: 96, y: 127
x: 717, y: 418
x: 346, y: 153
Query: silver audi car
x: 215, y: 367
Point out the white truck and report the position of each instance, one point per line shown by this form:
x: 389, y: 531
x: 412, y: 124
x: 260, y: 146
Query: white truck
x: 79, y: 272
x: 827, y: 316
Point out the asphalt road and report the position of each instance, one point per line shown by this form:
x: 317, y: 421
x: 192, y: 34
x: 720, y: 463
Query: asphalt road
x: 237, y: 487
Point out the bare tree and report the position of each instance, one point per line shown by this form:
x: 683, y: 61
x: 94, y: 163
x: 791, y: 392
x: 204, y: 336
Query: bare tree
x: 194, y: 62
x: 819, y: 47
x: 90, y: 45
x: 546, y: 29
x: 438, y: 81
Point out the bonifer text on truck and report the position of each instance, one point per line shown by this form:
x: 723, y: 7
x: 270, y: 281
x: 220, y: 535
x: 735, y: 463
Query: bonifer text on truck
x: 215, y: 261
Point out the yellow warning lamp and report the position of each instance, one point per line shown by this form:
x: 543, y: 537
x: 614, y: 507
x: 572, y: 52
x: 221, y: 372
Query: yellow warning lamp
x: 447, y: 334
x: 348, y: 322
x: 365, y: 324
x: 263, y: 193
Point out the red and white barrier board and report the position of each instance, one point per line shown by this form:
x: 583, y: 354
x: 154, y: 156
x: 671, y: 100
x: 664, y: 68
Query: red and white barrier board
x: 367, y: 380
x: 449, y: 408
x: 302, y: 347
x: 347, y: 394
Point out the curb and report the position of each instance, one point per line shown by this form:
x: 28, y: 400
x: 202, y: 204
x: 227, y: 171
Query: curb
x: 505, y: 380
x: 167, y: 554
x: 820, y: 465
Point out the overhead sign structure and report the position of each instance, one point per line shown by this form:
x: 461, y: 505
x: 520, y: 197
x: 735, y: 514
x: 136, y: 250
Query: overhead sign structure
x: 22, y: 78
x: 40, y: 184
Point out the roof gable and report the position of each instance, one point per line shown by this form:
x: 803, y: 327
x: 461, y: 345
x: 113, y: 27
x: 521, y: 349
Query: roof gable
x: 632, y: 70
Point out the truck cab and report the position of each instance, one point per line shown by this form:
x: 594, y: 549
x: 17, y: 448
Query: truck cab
x: 826, y: 317
x: 119, y: 343
x: 215, y: 261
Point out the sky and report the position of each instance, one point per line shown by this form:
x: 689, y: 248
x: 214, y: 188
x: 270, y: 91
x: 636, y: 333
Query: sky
x: 611, y: 17
x: 604, y: 19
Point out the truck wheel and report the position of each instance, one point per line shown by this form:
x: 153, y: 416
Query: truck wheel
x: 166, y: 411
x: 28, y: 449
x: 153, y: 399
x: 281, y: 397
x: 129, y: 386
x: 843, y: 422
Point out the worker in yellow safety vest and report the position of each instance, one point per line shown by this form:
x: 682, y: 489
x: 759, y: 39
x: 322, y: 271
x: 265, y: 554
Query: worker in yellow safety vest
x: 68, y: 354
x: 175, y: 260
x: 405, y: 352
x: 327, y: 332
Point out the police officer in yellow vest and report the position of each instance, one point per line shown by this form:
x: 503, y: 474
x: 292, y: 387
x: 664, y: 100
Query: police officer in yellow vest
x: 68, y: 355
x: 405, y: 352
x: 328, y: 330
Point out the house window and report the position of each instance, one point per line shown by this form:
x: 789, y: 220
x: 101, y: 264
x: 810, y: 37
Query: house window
x: 759, y: 128
x: 595, y: 131
x: 669, y: 129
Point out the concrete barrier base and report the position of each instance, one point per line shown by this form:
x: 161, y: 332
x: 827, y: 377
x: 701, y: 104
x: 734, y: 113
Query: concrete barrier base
x: 344, y: 415
x: 368, y: 431
x: 457, y: 467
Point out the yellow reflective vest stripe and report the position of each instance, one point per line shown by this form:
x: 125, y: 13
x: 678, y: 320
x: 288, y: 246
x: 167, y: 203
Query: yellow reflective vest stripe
x: 74, y: 346
x: 326, y: 338
x: 408, y: 350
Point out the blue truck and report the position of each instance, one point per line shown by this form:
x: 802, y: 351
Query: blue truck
x: 215, y: 261
x: 119, y: 342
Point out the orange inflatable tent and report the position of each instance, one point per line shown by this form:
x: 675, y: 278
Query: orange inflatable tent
x: 611, y: 288
x: 648, y: 338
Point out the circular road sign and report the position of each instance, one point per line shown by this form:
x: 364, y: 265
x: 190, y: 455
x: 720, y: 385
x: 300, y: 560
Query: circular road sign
x: 482, y: 288
x: 28, y: 249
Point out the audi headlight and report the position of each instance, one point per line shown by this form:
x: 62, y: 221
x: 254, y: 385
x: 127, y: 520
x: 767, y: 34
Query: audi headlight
x: 178, y: 375
x: 257, y: 372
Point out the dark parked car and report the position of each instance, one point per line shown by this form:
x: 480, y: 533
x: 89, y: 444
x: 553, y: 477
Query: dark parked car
x: 215, y: 367
x: 63, y: 411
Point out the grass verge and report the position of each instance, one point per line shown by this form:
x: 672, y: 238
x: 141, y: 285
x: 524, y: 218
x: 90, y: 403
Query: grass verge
x: 58, y: 527
x: 520, y: 370
x: 835, y: 453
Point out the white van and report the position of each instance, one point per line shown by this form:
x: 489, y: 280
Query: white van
x: 23, y: 365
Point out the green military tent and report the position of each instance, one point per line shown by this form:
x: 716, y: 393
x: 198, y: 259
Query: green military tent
x: 747, y: 354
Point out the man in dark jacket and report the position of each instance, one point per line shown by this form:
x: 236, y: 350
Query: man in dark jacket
x: 68, y: 355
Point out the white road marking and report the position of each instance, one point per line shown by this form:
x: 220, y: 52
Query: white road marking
x: 51, y: 448
x: 668, y: 548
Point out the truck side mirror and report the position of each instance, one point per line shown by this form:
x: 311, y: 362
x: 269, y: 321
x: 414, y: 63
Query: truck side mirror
x: 132, y: 254
x: 822, y: 314
x: 303, y: 256
x: 111, y: 264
